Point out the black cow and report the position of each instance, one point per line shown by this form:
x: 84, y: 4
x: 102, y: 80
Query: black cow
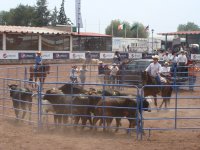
x: 61, y: 104
x: 83, y: 107
x: 127, y: 108
x: 22, y: 99
x: 70, y: 88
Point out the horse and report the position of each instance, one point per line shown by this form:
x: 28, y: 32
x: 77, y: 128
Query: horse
x: 165, y: 92
x: 41, y: 73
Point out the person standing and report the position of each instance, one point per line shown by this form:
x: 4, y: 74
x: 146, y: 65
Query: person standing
x: 113, y: 74
x: 166, y: 57
x: 74, y: 74
x: 182, y: 62
x: 192, y: 73
x: 82, y: 74
x: 165, y: 70
x: 154, y: 69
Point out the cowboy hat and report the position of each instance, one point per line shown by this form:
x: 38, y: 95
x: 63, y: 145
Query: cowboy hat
x: 166, y: 63
x: 38, y: 52
x: 100, y: 62
x: 114, y: 64
x: 155, y: 57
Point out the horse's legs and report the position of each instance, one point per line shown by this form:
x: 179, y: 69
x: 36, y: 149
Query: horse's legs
x: 155, y: 101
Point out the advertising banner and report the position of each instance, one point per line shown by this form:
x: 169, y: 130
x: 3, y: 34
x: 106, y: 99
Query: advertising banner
x: 77, y: 55
x: 95, y: 55
x: 135, y: 55
x: 26, y: 55
x: 9, y: 55
x: 106, y: 55
x: 47, y: 55
x: 195, y: 56
x: 60, y: 55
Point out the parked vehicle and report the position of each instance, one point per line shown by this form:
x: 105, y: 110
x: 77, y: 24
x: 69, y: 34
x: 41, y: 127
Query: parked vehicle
x: 133, y: 70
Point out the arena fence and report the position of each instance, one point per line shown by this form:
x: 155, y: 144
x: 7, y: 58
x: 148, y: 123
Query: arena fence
x: 182, y: 113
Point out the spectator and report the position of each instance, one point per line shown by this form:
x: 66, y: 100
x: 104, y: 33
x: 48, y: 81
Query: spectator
x: 166, y: 57
x: 182, y: 62
x: 165, y: 70
x: 82, y: 75
x: 192, y: 73
x: 74, y: 74
x: 113, y: 74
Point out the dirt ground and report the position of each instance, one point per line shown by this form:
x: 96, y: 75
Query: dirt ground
x: 22, y: 136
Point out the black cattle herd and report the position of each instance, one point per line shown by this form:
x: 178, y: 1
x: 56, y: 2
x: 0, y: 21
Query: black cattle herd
x: 73, y: 101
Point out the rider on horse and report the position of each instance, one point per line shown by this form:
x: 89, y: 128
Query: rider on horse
x: 154, y: 69
x: 38, y: 60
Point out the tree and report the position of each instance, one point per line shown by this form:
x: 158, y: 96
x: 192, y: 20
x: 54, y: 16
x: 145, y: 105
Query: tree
x: 22, y: 15
x: 62, y: 18
x: 54, y: 17
x: 190, y: 26
x: 42, y: 17
x: 4, y: 17
x: 131, y: 31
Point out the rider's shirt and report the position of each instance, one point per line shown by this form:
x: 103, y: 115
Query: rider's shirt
x: 38, y: 60
x: 154, y: 69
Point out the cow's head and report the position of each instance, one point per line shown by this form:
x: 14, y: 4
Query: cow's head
x: 12, y: 88
x: 147, y: 103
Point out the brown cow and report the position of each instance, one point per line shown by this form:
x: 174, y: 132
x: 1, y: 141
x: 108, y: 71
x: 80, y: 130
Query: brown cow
x: 126, y: 108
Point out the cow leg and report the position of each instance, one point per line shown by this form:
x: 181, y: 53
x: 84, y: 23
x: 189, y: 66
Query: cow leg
x: 108, y: 121
x: 94, y: 122
x: 23, y: 106
x: 118, y: 123
x: 76, y: 120
x: 84, y: 120
x: 16, y: 107
x: 56, y: 120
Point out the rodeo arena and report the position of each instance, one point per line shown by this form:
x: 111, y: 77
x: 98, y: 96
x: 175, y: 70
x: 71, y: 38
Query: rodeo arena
x: 98, y: 83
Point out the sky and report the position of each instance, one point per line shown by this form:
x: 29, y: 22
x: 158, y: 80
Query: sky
x: 160, y: 15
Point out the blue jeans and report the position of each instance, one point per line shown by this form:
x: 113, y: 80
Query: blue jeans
x: 192, y: 80
x: 157, y: 78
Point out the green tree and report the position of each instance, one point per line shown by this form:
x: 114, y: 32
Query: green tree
x: 130, y: 31
x: 190, y: 26
x: 22, y: 15
x: 42, y: 17
x: 62, y: 18
x: 4, y: 17
x: 54, y: 17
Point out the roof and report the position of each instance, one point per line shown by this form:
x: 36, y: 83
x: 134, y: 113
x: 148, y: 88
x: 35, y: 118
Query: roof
x: 91, y: 34
x: 24, y: 29
x: 181, y: 33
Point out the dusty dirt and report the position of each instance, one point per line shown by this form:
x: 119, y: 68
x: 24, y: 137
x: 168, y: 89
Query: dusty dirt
x: 21, y: 136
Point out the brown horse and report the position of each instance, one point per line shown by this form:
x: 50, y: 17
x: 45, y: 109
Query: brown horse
x: 165, y: 91
x: 40, y: 73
